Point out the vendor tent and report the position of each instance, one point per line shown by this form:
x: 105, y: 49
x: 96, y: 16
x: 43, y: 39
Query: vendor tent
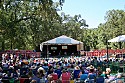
x: 120, y: 38
x: 63, y: 40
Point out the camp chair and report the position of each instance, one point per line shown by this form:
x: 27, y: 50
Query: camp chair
x: 100, y: 80
x: 55, y: 76
x: 66, y: 77
x: 76, y: 74
x: 11, y: 80
x: 22, y: 80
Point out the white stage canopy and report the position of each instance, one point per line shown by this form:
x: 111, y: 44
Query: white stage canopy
x: 61, y: 40
x: 120, y: 38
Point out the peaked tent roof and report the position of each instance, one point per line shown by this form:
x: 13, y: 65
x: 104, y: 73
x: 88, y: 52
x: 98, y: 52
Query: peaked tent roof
x: 63, y: 40
x: 120, y: 38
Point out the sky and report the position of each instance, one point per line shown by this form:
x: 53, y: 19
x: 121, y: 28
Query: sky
x: 93, y: 11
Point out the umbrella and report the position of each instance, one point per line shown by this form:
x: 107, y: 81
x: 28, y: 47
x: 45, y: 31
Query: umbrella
x: 120, y: 38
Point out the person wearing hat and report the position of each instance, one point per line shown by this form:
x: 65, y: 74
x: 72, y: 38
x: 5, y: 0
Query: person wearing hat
x: 92, y: 74
x: 76, y: 72
x: 91, y: 68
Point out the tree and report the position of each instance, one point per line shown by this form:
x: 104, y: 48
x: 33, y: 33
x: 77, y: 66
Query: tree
x: 72, y: 26
x: 22, y: 22
x: 115, y: 23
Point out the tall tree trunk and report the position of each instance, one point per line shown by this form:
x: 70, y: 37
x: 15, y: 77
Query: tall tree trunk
x: 120, y: 45
x: 11, y: 45
x: 3, y: 45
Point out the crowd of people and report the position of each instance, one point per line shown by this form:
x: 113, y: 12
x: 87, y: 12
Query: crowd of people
x: 22, y: 69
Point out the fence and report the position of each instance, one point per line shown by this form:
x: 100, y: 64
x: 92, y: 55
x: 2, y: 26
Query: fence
x: 102, y: 52
x: 23, y: 52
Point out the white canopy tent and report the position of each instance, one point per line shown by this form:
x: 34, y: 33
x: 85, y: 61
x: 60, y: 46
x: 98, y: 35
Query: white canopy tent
x: 120, y: 38
x: 63, y: 40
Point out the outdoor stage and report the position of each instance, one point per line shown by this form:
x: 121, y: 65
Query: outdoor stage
x: 61, y: 45
x: 58, y: 50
